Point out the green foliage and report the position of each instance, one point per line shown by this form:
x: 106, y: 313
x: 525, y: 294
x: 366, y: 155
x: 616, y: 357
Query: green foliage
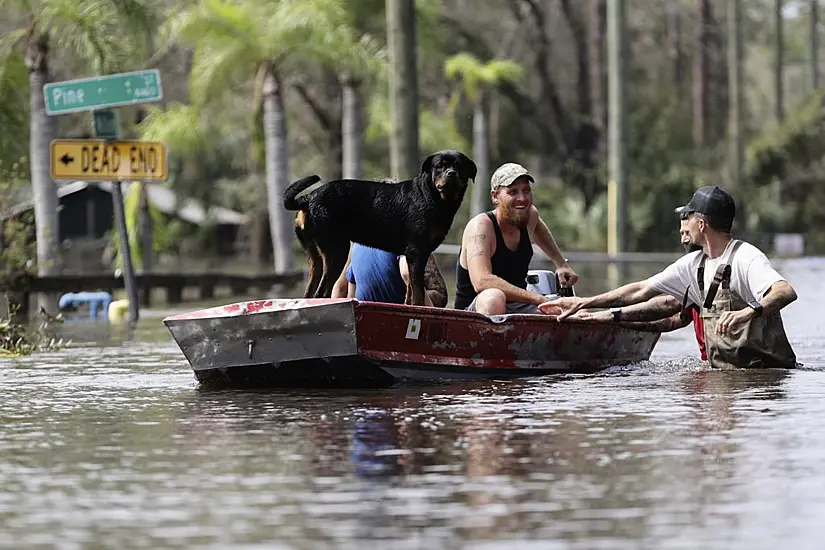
x: 477, y: 76
x: 16, y: 231
x: 14, y: 107
x: 795, y: 144
x: 786, y: 170
x: 436, y: 130
x: 105, y: 33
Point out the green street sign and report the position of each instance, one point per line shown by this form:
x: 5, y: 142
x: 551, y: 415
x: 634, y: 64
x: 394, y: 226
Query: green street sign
x: 100, y: 92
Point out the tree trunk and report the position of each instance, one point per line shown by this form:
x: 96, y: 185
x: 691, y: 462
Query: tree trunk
x: 814, y: 44
x: 404, y: 161
x: 277, y: 172
x: 597, y: 53
x: 352, y: 130
x: 677, y: 54
x: 45, y: 191
x: 779, y: 63
x: 481, y: 155
x: 736, y: 113
x: 701, y: 69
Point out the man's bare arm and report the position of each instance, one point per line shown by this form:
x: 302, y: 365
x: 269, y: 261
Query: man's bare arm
x: 779, y: 295
x: 673, y: 322
x: 477, y: 242
x: 627, y: 295
x: 655, y: 309
x: 546, y: 242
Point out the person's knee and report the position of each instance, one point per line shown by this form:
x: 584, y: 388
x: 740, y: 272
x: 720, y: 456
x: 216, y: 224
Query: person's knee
x: 491, y: 302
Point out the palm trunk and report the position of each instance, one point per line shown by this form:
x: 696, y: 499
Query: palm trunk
x: 481, y: 155
x: 45, y: 191
x: 779, y: 63
x: 352, y: 130
x: 403, y: 88
x: 277, y: 172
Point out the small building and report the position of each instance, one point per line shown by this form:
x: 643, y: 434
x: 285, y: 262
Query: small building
x: 86, y: 219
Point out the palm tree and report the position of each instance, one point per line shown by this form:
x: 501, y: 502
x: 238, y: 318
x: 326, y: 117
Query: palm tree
x: 100, y: 32
x: 234, y: 41
x: 478, y: 79
x: 356, y: 66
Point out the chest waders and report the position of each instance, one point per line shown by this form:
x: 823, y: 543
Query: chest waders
x: 759, y: 343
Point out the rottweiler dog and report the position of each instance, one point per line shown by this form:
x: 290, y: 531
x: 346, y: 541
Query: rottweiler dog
x: 410, y: 217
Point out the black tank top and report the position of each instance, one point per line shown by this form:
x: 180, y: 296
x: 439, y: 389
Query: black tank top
x: 510, y: 265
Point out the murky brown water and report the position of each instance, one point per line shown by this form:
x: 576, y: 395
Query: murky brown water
x: 112, y: 445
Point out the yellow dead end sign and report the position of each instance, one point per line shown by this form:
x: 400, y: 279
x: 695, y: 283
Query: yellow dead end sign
x: 101, y: 160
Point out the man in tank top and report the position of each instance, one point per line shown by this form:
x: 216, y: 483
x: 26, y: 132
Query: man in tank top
x: 497, y: 246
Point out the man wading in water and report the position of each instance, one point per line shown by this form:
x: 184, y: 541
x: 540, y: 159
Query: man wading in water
x: 740, y: 294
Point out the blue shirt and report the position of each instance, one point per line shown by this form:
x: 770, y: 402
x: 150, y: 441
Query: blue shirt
x: 376, y: 275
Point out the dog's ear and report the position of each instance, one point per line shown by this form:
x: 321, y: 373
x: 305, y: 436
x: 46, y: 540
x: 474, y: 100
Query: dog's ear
x: 427, y: 166
x: 469, y: 166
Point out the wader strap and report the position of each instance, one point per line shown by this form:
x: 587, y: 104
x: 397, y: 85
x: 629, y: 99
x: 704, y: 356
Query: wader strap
x: 683, y: 314
x: 722, y: 274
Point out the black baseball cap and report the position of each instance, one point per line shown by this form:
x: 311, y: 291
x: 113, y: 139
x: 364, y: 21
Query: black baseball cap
x: 714, y: 202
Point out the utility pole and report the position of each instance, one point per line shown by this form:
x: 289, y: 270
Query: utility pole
x: 617, y: 192
x: 403, y: 88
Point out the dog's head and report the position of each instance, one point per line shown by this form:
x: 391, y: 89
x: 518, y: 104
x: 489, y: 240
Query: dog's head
x: 450, y: 173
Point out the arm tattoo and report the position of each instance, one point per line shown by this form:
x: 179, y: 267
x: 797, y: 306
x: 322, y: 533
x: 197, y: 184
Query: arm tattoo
x: 479, y: 246
x: 434, y: 283
x: 662, y: 325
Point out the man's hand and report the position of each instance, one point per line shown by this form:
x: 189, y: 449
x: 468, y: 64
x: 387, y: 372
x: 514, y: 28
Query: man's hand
x: 563, y: 307
x: 730, y: 320
x: 566, y: 275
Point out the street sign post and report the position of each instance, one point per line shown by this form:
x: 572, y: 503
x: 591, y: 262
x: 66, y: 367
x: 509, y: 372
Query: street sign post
x: 103, y: 160
x: 108, y: 159
x: 100, y: 92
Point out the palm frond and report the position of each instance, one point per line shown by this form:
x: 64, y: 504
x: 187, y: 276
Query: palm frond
x: 216, y: 69
x: 476, y: 76
x: 179, y: 126
x: 107, y: 33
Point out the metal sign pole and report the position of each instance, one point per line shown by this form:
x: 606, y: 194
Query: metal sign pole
x: 106, y: 126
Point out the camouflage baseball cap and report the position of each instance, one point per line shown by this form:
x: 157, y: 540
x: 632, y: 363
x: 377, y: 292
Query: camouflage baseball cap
x: 507, y: 173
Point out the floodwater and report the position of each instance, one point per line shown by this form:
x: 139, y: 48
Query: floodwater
x: 111, y: 444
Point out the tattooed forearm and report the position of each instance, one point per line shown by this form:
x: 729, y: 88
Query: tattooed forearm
x: 652, y: 310
x: 662, y: 325
x: 434, y: 283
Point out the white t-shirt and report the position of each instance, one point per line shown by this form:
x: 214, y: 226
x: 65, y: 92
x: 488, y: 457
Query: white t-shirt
x: 751, y: 274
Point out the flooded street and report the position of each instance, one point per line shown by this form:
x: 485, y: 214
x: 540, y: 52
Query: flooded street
x: 111, y: 444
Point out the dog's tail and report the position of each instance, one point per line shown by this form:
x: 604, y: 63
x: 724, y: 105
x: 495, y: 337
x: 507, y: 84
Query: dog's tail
x: 291, y: 201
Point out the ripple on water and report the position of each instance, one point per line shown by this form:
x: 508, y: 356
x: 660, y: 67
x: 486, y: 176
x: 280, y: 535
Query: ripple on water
x: 112, y: 444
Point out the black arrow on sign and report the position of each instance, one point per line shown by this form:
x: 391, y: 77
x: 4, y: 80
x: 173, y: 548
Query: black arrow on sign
x: 66, y: 159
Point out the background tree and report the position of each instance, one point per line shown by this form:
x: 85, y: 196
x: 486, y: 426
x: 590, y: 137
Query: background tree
x: 478, y: 81
x: 102, y: 33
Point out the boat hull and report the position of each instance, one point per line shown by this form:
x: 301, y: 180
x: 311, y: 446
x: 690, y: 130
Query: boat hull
x: 341, y: 342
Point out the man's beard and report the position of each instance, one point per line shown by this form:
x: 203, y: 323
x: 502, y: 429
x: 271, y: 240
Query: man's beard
x: 692, y: 247
x: 518, y: 218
